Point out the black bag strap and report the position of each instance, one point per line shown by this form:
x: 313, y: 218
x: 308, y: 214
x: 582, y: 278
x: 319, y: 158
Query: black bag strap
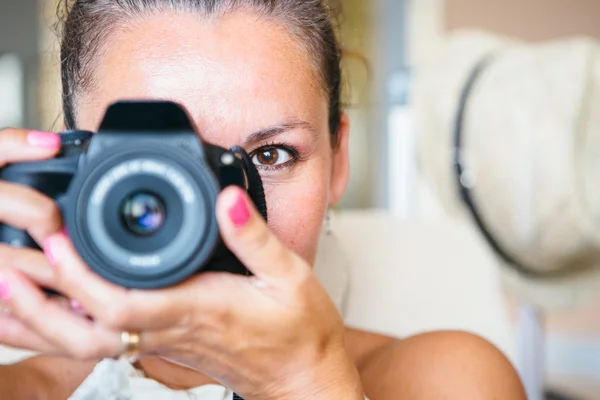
x: 465, y: 190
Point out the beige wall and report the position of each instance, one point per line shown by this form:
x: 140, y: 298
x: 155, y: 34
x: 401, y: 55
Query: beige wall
x: 526, y: 19
x: 531, y: 20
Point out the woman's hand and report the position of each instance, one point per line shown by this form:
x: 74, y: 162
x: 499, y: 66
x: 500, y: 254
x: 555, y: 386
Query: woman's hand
x: 31, y: 211
x: 24, y: 208
x: 271, y: 336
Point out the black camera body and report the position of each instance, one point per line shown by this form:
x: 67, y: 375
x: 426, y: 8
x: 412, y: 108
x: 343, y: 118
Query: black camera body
x: 138, y: 198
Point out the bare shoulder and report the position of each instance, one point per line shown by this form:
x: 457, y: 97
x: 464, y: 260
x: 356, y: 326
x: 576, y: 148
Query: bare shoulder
x: 439, y: 365
x: 48, y: 377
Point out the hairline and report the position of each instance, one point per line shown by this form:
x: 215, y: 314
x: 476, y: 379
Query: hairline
x: 87, y: 84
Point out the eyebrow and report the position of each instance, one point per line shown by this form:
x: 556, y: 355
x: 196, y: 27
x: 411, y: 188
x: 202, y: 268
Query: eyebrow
x: 272, y: 131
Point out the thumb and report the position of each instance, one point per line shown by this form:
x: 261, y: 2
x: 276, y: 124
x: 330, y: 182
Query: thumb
x: 247, y: 235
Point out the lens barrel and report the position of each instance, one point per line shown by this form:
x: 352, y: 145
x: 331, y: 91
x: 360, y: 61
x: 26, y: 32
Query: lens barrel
x: 144, y: 217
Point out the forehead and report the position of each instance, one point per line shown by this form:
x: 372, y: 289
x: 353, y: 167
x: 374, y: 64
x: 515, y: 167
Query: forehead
x: 237, y: 73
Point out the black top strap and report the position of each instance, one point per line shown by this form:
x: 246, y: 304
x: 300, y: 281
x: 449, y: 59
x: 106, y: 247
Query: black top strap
x: 255, y: 185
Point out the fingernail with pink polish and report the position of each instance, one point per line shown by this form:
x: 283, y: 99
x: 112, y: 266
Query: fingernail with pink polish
x: 48, y: 251
x: 239, y: 213
x: 46, y: 140
x: 5, y: 293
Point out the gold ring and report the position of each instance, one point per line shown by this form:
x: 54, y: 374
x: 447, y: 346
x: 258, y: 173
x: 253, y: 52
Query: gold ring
x: 130, y: 347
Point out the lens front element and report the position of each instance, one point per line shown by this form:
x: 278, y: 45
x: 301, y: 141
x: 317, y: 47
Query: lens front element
x: 143, y: 214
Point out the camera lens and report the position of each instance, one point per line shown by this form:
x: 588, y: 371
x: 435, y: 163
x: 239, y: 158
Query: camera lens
x: 143, y: 213
x: 144, y: 217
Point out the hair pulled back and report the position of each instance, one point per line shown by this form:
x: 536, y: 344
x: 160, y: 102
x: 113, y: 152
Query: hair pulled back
x: 86, y: 25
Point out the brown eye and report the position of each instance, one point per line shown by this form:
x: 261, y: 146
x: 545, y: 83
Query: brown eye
x: 271, y: 156
x: 268, y: 157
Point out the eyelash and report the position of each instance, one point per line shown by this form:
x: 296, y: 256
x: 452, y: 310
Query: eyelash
x: 293, y: 152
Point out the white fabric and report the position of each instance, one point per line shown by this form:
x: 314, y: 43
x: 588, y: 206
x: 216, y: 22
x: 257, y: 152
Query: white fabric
x: 116, y: 380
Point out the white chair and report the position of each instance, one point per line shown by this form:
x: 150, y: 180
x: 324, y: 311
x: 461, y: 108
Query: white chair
x: 413, y: 276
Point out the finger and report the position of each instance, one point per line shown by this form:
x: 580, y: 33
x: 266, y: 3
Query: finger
x: 162, y: 317
x: 247, y: 235
x: 26, y: 209
x: 121, y: 309
x: 77, y: 337
x: 66, y: 304
x: 18, y: 145
x: 14, y: 333
x: 31, y: 262
x: 111, y: 305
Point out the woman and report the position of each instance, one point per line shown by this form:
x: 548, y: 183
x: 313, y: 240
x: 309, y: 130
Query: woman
x: 239, y: 67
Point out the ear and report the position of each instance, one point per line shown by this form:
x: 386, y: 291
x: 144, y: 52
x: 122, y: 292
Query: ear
x: 341, y: 164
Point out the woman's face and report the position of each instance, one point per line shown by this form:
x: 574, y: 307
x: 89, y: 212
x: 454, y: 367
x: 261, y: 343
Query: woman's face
x: 244, y: 81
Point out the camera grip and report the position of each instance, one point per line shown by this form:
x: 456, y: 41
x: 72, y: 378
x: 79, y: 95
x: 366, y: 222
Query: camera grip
x: 49, y: 177
x: 40, y: 177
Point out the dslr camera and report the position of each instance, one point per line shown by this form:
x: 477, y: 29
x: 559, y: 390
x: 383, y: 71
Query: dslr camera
x: 138, y: 198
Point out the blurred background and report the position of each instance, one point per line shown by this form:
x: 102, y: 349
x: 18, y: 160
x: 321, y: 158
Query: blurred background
x: 389, y: 45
